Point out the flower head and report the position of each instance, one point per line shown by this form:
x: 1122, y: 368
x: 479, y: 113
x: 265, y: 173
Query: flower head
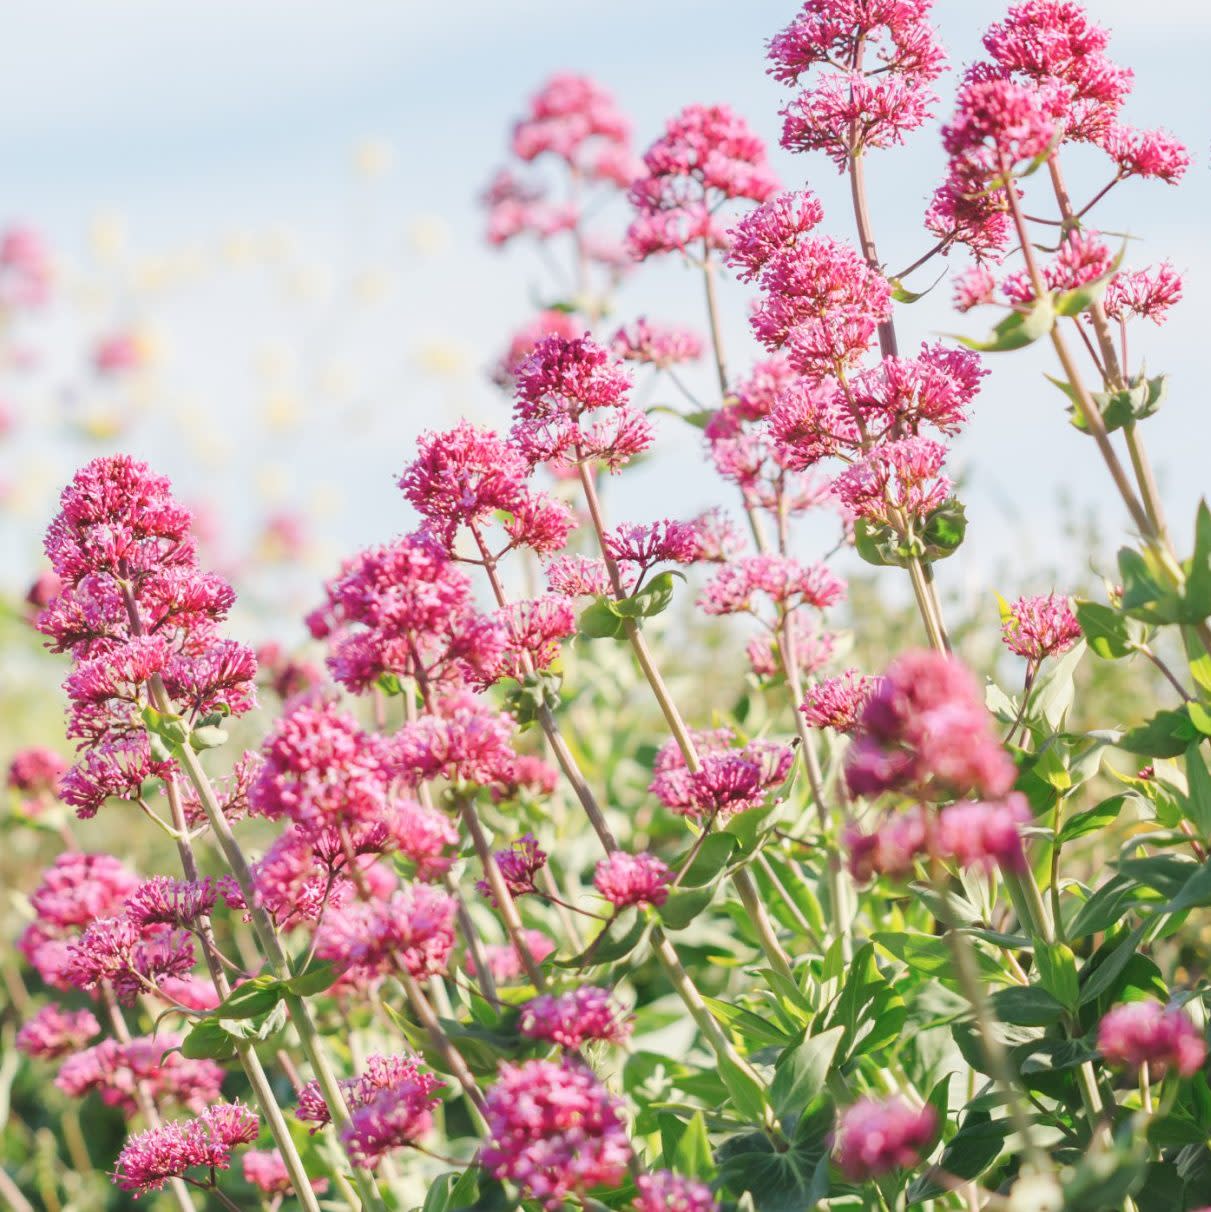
x: 838, y: 702
x: 149, y: 1159
x: 54, y: 1032
x: 554, y: 1130
x: 632, y: 879
x: 664, y: 1191
x: 1040, y: 627
x: 573, y: 1019
x: 1146, y: 1032
x: 875, y: 1137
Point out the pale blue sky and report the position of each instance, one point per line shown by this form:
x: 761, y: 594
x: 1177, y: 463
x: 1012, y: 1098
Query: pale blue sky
x: 196, y: 121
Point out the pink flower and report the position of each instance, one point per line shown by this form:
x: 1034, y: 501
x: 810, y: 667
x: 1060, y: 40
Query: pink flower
x: 985, y: 833
x: 554, y: 1130
x: 265, y: 1170
x: 706, y: 156
x: 656, y: 345
x: 813, y: 649
x: 1146, y: 153
x: 1053, y: 41
x: 391, y: 1106
x: 463, y: 738
x: 897, y: 479
x: 115, y: 769
x: 838, y: 702
x: 54, y: 1032
x: 875, y: 1137
x: 149, y: 1159
x: 925, y: 729
x: 534, y: 630
x: 115, y: 951
x: 1040, y: 627
x: 35, y: 771
x: 774, y: 225
x: 518, y: 865
x: 822, y: 304
x: 576, y: 576
x: 571, y: 407
x: 1144, y: 293
x: 716, y: 538
x: 163, y: 901
x: 639, y: 548
x: 321, y: 769
x: 892, y: 849
x: 503, y: 961
x: 973, y: 288
x: 1146, y: 1032
x: 727, y: 781
x: 466, y: 475
x: 423, y: 835
x: 664, y: 1191
x: 632, y: 879
x: 785, y: 582
x: 934, y: 388
x: 573, y: 1019
x: 566, y: 116
x: 546, y: 323
x: 115, y: 1070
x: 78, y: 888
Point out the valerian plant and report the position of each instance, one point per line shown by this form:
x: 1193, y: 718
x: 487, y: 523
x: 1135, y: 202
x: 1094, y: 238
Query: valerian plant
x: 837, y: 942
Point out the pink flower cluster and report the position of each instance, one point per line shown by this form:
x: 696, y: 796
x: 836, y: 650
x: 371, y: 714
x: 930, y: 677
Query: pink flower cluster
x: 875, y: 1137
x: 664, y: 1191
x: 134, y: 610
x: 869, y: 67
x: 1040, y: 627
x: 149, y: 1159
x: 728, y: 780
x: 632, y: 879
x: 706, y: 157
x: 1147, y: 1033
x: 573, y: 1019
x: 661, y: 346
x: 925, y: 732
x: 554, y: 1130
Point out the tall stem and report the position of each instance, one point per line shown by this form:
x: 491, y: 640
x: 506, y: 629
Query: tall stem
x: 296, y: 1007
x: 441, y: 1041
x: 249, y: 1061
x: 712, y: 311
x: 142, y: 1094
x: 741, y: 879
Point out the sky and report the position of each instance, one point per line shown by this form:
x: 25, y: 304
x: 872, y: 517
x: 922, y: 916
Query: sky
x: 195, y: 168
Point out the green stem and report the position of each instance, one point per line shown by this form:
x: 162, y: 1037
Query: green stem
x: 271, y: 946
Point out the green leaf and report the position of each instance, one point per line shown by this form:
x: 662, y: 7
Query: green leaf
x: 1095, y: 818
x: 710, y: 860
x: 746, y: 1090
x: 1145, y: 595
x: 252, y: 998
x: 169, y: 727
x: 651, y: 600
x: 208, y: 1040
x: 752, y: 1028
x: 1107, y: 632
x: 1026, y: 1006
x: 209, y: 737
x: 1054, y: 692
x: 1195, y: 892
x: 944, y: 530
x: 687, y: 1147
x: 1057, y: 971
x: 869, y: 1009
x: 318, y: 976
x: 599, y: 622
x: 1018, y: 329
x: 1196, y: 807
x: 1167, y: 734
x: 1196, y: 600
x: 1139, y: 399
x: 791, y: 1181
x: 802, y: 1072
x: 970, y: 1152
x: 684, y: 905
x: 613, y: 942
x: 879, y: 544
x: 1106, y: 907
x: 1107, y: 972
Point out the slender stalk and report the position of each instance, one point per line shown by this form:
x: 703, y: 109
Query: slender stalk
x: 441, y: 1041
x: 257, y: 1078
x: 262, y: 925
x: 712, y: 311
x: 500, y: 893
x: 741, y: 879
x: 142, y: 1094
